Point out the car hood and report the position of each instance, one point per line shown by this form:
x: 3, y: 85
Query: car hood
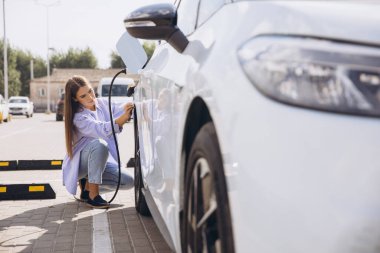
x: 354, y: 21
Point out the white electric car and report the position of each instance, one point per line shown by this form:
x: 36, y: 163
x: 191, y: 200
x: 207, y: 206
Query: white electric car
x: 258, y: 125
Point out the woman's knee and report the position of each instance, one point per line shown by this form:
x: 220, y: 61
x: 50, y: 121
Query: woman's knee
x: 100, y: 147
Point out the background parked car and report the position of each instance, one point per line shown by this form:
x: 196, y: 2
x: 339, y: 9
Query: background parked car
x: 119, y: 88
x: 60, y: 108
x: 4, y: 110
x: 20, y: 105
x: 258, y: 125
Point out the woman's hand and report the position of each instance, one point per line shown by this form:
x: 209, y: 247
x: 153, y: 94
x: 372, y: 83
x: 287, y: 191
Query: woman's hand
x: 128, y: 108
x: 126, y: 116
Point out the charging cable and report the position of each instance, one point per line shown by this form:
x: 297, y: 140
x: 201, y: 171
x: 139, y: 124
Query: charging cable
x: 113, y: 132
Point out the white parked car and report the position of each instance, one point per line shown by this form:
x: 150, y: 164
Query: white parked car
x: 258, y: 125
x: 119, y: 88
x: 4, y: 110
x: 20, y: 105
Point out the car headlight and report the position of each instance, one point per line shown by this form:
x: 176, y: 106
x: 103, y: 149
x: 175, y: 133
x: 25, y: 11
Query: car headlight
x: 313, y: 73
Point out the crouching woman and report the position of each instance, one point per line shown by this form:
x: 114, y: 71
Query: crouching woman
x: 91, y: 153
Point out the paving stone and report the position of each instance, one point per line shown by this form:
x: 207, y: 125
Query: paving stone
x: 44, y: 244
x: 47, y: 237
x: 64, y: 238
x: 41, y: 250
x: 63, y: 246
x: 23, y: 249
x: 66, y: 225
x: 161, y: 246
x: 123, y: 247
x: 83, y: 249
x: 143, y: 250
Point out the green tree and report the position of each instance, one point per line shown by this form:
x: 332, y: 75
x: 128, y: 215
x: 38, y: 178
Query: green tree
x: 117, y: 62
x: 74, y: 58
x: 23, y: 67
x: 19, y: 66
x: 149, y: 48
x: 14, y: 83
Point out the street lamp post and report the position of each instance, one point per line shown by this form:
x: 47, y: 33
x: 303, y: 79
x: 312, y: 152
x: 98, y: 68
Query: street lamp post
x: 5, y: 58
x: 48, y: 60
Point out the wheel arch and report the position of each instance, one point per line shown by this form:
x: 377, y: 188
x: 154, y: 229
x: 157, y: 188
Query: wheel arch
x: 197, y: 116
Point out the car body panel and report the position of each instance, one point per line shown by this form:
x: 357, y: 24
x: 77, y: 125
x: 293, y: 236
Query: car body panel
x: 4, y: 110
x: 299, y: 180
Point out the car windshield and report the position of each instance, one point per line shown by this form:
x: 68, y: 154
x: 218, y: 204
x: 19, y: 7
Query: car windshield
x: 118, y: 90
x: 18, y: 100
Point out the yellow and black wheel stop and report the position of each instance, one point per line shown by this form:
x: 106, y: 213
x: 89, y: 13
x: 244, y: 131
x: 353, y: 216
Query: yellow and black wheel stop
x: 31, y: 165
x: 26, y: 191
x: 39, y: 164
x: 8, y: 165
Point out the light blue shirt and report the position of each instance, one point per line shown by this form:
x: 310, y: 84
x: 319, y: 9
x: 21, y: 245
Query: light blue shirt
x: 90, y: 125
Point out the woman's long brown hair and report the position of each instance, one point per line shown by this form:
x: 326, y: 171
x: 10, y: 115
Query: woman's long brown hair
x: 71, y: 107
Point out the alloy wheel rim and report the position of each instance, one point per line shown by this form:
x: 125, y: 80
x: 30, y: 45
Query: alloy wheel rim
x: 203, y: 233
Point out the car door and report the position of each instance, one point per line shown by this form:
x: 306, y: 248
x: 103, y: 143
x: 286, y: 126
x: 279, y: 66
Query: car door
x: 143, y: 104
x: 164, y: 77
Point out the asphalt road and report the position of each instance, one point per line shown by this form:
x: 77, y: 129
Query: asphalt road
x: 42, y: 137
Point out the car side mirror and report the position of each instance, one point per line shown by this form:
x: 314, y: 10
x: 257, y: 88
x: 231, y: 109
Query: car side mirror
x: 156, y: 22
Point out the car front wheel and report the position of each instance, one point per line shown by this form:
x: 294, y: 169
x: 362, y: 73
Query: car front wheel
x: 206, y: 223
x: 140, y: 202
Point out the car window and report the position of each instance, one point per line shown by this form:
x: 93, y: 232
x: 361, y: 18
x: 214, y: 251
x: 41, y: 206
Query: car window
x: 117, y: 90
x: 187, y: 15
x: 207, y: 8
x: 23, y: 101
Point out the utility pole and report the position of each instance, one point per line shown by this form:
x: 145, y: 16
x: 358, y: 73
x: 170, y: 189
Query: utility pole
x: 48, y: 60
x: 31, y: 70
x: 5, y: 58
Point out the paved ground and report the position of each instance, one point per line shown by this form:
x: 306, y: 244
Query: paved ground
x: 64, y: 224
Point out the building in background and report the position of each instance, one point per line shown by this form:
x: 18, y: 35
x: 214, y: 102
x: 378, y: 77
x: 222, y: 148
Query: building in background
x: 58, y: 79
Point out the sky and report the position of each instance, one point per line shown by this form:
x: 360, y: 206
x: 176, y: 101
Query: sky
x: 97, y: 24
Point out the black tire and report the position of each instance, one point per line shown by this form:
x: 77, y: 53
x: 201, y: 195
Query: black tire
x: 140, y: 202
x: 206, y: 223
x: 59, y: 118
